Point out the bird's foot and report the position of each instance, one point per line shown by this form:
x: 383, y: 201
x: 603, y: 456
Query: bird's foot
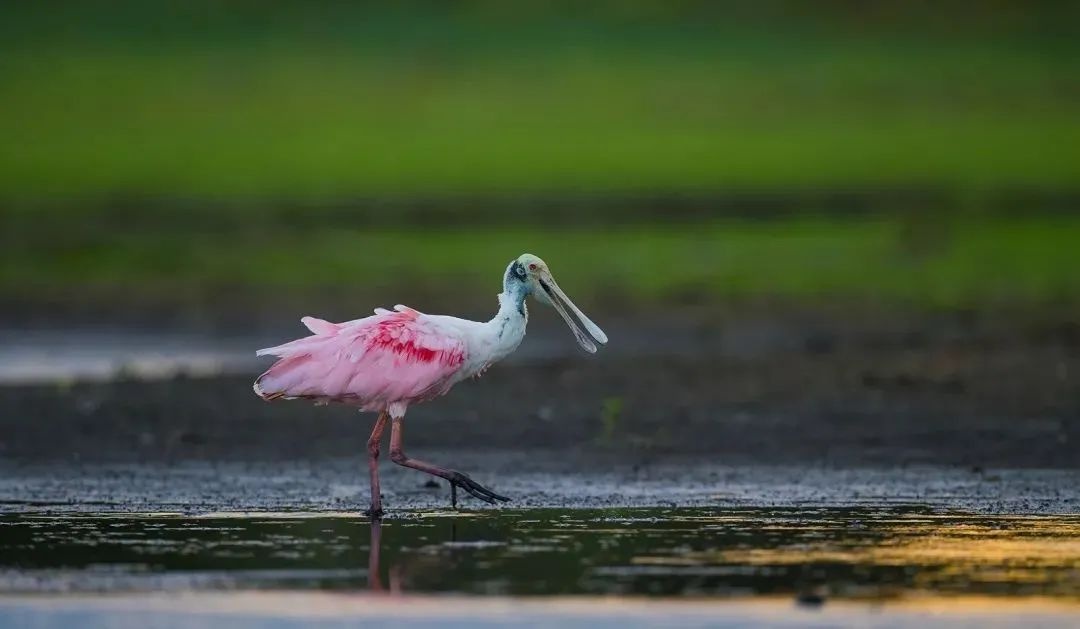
x: 457, y: 479
x: 373, y: 512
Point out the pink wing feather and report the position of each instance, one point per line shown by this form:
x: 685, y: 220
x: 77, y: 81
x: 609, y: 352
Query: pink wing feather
x: 391, y: 357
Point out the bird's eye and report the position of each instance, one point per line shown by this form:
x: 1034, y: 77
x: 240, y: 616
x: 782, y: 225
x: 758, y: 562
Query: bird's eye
x: 532, y: 266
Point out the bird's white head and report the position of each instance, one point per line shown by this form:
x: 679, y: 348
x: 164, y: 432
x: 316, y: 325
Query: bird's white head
x: 533, y: 275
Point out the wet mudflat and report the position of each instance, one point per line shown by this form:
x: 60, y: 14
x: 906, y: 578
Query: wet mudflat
x: 740, y: 389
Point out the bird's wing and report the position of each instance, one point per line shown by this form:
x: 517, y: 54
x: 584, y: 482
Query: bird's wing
x: 371, y: 362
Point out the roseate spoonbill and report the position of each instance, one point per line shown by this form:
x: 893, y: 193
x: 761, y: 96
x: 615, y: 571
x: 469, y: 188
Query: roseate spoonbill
x: 384, y: 363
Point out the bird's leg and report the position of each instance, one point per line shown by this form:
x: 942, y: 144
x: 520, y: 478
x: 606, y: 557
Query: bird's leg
x: 457, y: 479
x: 375, y: 512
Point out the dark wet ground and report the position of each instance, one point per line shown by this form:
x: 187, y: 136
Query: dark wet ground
x: 534, y: 479
x: 766, y: 394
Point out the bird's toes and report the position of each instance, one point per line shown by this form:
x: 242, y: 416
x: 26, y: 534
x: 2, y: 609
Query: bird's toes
x: 492, y: 496
x: 476, y: 491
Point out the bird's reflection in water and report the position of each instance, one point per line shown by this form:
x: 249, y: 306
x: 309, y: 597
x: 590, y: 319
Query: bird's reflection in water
x: 375, y: 583
x: 395, y: 571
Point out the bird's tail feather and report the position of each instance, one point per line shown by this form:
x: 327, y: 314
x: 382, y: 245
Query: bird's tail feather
x: 285, y: 378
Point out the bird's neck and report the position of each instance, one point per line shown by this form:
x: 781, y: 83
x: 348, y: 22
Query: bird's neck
x: 512, y: 307
x: 512, y: 299
x: 507, y: 327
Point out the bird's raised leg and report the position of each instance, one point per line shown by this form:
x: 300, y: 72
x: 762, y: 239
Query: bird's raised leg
x: 375, y: 512
x: 457, y: 479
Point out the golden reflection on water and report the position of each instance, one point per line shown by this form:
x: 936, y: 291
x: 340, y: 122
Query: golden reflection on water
x: 946, y: 553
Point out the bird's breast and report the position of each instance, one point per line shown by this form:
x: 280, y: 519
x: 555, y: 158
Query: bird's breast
x: 495, y: 341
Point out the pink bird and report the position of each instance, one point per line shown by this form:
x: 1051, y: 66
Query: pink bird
x: 384, y: 363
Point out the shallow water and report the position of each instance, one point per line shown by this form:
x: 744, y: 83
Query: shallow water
x: 809, y: 555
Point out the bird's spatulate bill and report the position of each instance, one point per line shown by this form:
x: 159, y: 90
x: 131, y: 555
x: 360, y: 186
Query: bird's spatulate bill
x: 564, y: 307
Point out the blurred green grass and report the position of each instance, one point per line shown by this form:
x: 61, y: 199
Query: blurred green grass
x: 263, y: 111
x: 337, y: 100
x: 1000, y: 261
